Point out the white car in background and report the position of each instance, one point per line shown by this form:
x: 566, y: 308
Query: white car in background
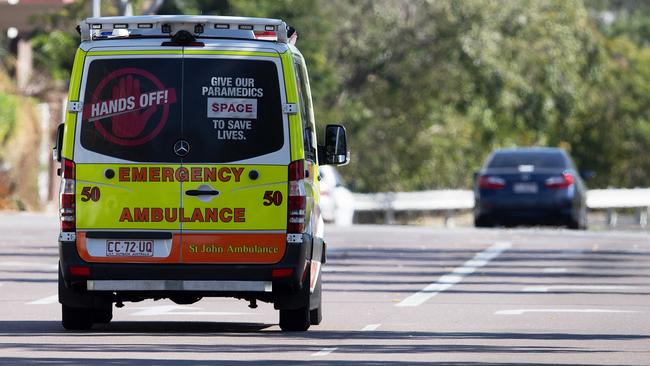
x: 336, y: 201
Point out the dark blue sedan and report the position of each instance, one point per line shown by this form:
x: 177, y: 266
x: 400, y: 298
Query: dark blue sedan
x: 530, y: 186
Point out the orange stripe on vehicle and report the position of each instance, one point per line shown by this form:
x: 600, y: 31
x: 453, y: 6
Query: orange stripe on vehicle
x: 233, y: 248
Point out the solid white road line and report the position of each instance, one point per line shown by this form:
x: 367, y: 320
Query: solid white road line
x: 456, y: 276
x: 555, y: 270
x: 337, y: 269
x: 522, y: 311
x: 324, y: 352
x: 29, y: 265
x: 577, y: 288
x: 370, y: 327
x: 45, y: 301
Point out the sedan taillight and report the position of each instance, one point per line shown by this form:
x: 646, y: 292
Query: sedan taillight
x: 491, y: 182
x: 564, y: 181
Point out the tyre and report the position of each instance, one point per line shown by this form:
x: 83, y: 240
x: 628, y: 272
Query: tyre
x: 574, y: 224
x: 316, y: 316
x: 103, y: 315
x: 481, y: 222
x: 580, y: 222
x: 76, y: 318
x: 295, y: 320
x: 577, y: 225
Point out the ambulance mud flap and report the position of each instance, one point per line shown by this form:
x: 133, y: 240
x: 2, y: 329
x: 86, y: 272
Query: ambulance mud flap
x: 293, y: 292
x: 75, y: 295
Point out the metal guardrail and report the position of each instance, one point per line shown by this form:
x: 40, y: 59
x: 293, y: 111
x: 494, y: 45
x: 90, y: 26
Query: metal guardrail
x: 453, y: 200
x: 612, y: 199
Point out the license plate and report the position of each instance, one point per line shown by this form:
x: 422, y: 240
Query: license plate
x: 129, y: 248
x: 524, y: 188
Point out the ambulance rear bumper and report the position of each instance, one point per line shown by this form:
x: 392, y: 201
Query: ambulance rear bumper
x: 161, y: 277
x: 168, y: 285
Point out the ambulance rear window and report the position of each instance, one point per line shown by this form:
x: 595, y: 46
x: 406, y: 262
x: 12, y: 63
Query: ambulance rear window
x: 132, y: 108
x: 137, y: 109
x: 231, y: 109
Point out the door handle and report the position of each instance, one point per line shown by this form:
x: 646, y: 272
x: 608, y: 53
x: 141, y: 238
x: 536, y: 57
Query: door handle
x: 196, y: 192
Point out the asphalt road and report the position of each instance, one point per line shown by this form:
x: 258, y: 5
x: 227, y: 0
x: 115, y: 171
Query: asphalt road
x: 392, y: 296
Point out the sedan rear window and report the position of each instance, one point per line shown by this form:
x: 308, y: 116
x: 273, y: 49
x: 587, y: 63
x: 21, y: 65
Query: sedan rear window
x: 536, y: 159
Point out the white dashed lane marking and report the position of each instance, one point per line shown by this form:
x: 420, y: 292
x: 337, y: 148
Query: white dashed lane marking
x: 370, y: 327
x: 327, y: 351
x: 45, y: 301
x: 447, y: 281
x: 555, y: 270
x: 324, y: 352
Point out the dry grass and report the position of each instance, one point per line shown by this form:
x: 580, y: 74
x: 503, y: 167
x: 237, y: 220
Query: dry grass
x: 19, y: 152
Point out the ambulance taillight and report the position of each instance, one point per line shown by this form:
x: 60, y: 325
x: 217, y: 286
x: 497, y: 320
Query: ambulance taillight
x: 67, y: 197
x: 297, y: 198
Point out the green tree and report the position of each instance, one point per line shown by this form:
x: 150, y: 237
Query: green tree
x: 428, y: 88
x: 432, y: 87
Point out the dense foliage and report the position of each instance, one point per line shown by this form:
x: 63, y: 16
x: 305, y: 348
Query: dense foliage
x: 428, y: 88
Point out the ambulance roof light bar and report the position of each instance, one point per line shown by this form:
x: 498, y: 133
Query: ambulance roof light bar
x: 162, y: 25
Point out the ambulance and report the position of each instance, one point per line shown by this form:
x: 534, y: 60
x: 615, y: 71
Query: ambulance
x: 189, y: 168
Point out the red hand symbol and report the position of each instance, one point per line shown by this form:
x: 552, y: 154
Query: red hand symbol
x: 130, y: 124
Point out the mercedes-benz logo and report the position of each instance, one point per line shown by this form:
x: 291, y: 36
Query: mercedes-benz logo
x: 181, y: 148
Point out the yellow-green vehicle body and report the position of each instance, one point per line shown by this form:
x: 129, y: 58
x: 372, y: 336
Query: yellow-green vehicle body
x: 190, y: 168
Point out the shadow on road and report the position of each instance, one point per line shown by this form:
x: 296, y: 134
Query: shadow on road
x: 30, y: 328
x: 371, y: 270
x: 166, y: 362
x: 159, y: 341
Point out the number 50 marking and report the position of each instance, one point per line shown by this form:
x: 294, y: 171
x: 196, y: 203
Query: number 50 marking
x: 90, y: 193
x: 272, y: 198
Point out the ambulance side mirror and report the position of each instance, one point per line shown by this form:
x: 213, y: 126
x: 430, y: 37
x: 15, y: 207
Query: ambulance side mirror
x: 335, y: 150
x: 58, y: 144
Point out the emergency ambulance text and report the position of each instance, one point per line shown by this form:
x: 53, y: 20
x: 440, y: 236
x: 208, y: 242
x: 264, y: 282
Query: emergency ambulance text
x: 182, y: 174
x: 156, y: 214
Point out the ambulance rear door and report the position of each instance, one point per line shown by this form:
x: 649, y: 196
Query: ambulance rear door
x: 235, y: 200
x: 128, y: 176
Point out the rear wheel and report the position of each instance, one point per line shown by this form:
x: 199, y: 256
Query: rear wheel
x: 104, y: 315
x: 316, y: 316
x: 295, y: 320
x: 481, y: 222
x: 76, y: 318
x: 579, y: 223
